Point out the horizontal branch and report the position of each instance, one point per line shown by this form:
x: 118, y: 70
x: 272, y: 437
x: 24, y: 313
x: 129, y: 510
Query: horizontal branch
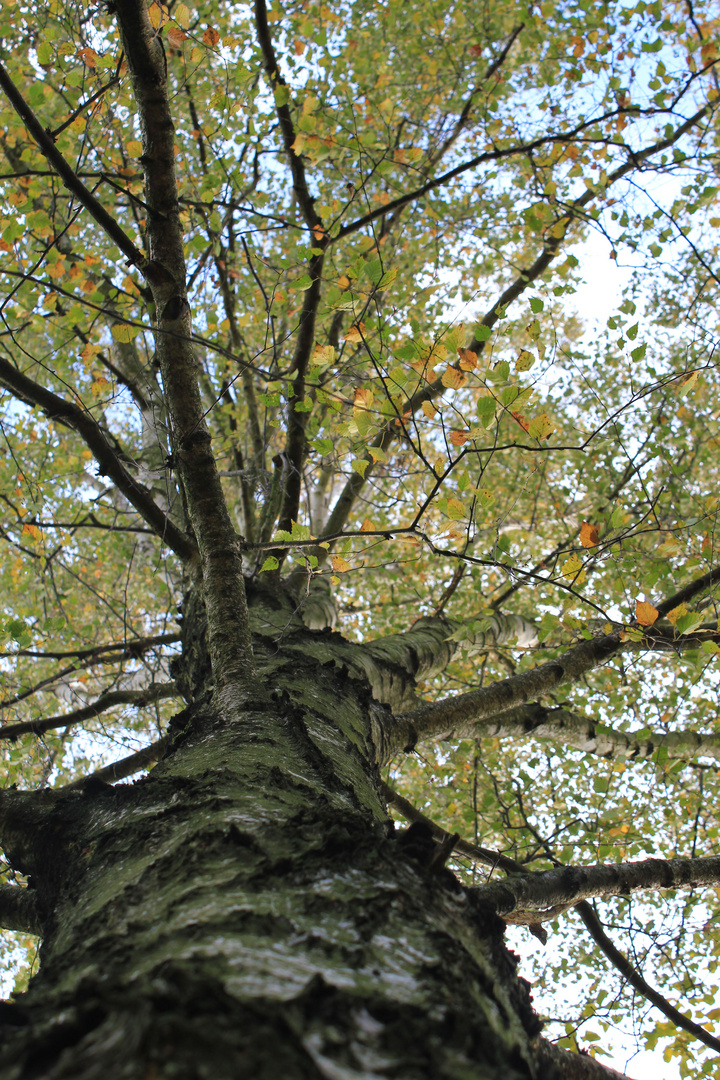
x: 565, y: 886
x: 122, y: 768
x: 566, y: 728
x: 18, y: 909
x: 138, y: 698
x: 128, y: 649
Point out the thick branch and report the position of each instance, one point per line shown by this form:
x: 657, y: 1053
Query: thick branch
x: 567, y: 885
x: 70, y: 414
x: 566, y: 728
x: 113, y: 698
x: 224, y: 590
x: 18, y: 910
x: 457, y: 717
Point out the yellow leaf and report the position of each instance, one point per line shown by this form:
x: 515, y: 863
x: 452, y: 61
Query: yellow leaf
x: 355, y: 333
x: 340, y: 565
x: 367, y: 526
x: 455, y: 509
x: 429, y: 409
x: 588, y: 535
x: 134, y: 148
x: 645, y: 613
x: 322, y: 355
x: 99, y: 386
x: 453, y: 378
x: 468, y: 359
x: 524, y: 361
x: 677, y: 613
x: 572, y: 567
x: 157, y: 15
x: 123, y: 333
x: 182, y: 15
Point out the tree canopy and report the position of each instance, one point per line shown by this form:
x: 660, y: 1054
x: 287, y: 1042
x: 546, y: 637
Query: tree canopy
x: 381, y: 382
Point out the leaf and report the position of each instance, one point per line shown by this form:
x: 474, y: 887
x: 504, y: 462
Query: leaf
x: 340, y: 565
x: 429, y: 409
x: 355, y: 333
x: 572, y: 567
x: 124, y: 333
x: 458, y: 438
x: 536, y: 304
x: 453, y: 378
x: 211, y: 37
x: 181, y: 14
x: 367, y: 526
x: 89, y: 57
x: 645, y: 613
x: 176, y: 36
x: 541, y: 427
x: 589, y: 535
x: 32, y: 531
x: 270, y: 563
x: 456, y: 509
x: 468, y: 359
x: 524, y: 361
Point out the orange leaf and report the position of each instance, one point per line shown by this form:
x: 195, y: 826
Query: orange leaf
x: 521, y: 420
x: 645, y: 613
x: 458, y: 438
x: 211, y: 37
x: 589, y: 535
x: 32, y: 531
x: 468, y: 359
x: 367, y: 526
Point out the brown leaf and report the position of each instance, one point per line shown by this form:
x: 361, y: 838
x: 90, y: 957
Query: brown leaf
x: 589, y: 535
x: 211, y: 37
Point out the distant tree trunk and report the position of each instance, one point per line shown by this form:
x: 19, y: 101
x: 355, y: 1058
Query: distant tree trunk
x: 247, y: 910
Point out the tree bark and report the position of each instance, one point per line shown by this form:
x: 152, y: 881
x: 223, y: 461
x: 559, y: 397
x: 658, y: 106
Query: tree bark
x: 248, y: 910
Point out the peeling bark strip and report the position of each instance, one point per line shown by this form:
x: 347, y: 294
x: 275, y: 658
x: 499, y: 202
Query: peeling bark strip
x: 224, y: 591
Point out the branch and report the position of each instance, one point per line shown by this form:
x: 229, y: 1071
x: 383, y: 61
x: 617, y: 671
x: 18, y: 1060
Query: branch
x: 129, y: 650
x: 346, y: 500
x: 479, y: 854
x: 565, y: 886
x: 457, y: 717
x: 229, y: 640
x: 567, y: 728
x: 19, y: 910
x: 630, y: 973
x: 126, y: 766
x: 67, y: 174
x: 70, y: 414
x: 139, y: 698
x: 287, y: 129
x: 488, y: 156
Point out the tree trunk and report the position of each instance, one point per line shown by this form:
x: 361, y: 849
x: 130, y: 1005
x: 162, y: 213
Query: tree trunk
x: 247, y: 910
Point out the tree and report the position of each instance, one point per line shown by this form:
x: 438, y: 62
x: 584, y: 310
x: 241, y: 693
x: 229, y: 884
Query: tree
x: 288, y: 344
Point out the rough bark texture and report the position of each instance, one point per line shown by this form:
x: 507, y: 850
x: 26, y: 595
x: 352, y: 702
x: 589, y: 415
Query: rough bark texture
x: 248, y: 910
